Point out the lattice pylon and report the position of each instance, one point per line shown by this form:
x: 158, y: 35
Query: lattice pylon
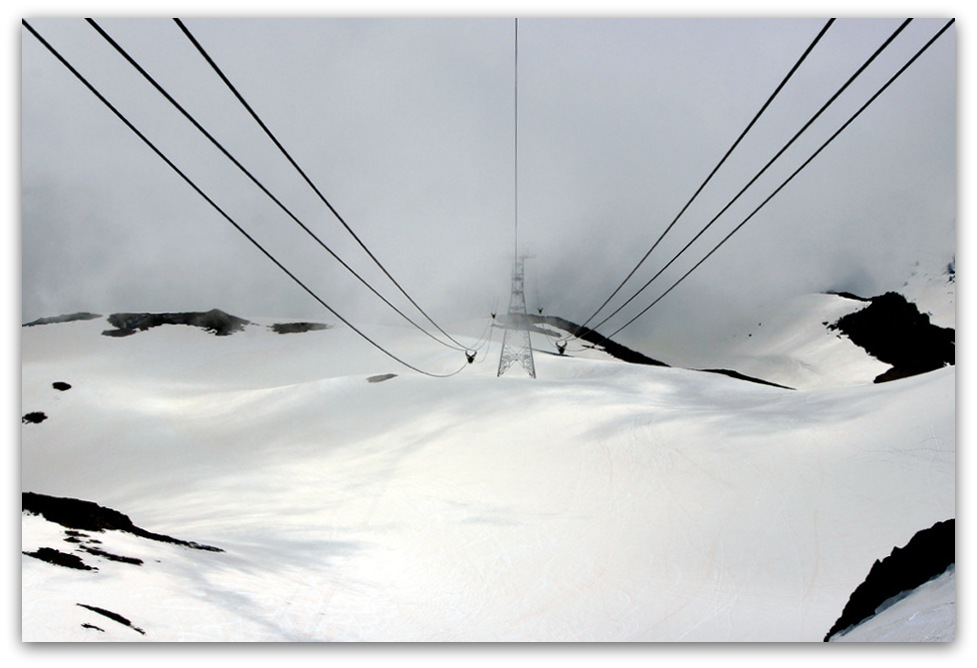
x: 516, y: 343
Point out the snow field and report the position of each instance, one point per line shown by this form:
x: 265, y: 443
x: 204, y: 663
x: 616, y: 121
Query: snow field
x: 601, y: 501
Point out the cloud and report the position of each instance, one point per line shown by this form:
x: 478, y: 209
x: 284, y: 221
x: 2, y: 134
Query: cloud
x: 407, y: 126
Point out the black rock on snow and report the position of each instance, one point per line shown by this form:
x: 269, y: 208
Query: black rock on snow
x: 927, y: 555
x: 81, y: 315
x: 892, y: 330
x: 214, y: 321
x: 89, y: 516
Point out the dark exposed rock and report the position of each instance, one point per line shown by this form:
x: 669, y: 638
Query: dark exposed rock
x: 848, y: 295
x: 111, y: 557
x: 114, y: 616
x: 59, y: 558
x: 34, y: 417
x: 927, y: 555
x: 60, y: 385
x: 297, y: 327
x: 620, y: 352
x: 62, y: 318
x: 612, y: 348
x: 379, y: 378
x: 89, y: 516
x: 741, y: 376
x: 893, y: 331
x: 214, y: 321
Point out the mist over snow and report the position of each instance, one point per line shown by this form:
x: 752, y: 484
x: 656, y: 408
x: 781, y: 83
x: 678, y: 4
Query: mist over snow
x: 407, y: 126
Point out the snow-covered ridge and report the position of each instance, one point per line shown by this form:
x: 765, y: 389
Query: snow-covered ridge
x: 601, y: 501
x: 798, y: 342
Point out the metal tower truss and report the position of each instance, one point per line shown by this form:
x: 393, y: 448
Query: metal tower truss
x: 516, y: 344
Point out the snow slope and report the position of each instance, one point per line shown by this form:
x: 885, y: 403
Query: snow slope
x: 927, y: 614
x: 602, y: 501
x: 789, y: 342
x: 791, y: 345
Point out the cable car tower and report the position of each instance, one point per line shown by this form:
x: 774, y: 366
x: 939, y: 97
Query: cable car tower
x: 516, y: 343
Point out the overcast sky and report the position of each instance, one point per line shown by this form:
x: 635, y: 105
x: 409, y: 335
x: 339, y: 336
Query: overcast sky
x: 407, y: 127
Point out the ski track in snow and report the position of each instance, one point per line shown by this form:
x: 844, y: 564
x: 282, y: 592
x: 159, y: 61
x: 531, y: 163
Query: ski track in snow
x: 601, y: 501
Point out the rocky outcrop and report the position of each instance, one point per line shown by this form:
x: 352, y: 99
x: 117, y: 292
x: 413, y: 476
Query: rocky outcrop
x: 214, y: 321
x: 927, y: 555
x: 81, y: 315
x: 89, y: 516
x: 612, y: 348
x: 892, y: 330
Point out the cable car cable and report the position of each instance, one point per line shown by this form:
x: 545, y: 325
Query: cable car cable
x: 254, y: 179
x: 224, y: 214
x: 716, y: 168
x: 223, y: 77
x: 813, y: 118
x: 795, y: 173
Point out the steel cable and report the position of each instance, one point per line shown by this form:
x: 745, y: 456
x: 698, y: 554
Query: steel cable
x: 224, y: 214
x: 795, y: 173
x: 716, y: 168
x: 252, y: 178
x: 813, y: 118
x: 227, y: 82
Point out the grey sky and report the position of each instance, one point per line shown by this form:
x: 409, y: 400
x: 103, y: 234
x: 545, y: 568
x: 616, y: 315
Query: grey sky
x: 406, y: 125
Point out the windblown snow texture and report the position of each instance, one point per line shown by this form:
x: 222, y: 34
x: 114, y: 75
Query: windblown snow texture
x: 892, y: 330
x: 926, y: 556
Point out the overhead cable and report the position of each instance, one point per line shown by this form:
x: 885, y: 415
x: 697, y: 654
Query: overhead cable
x: 736, y: 143
x: 254, y: 179
x: 515, y: 143
x: 227, y: 82
x: 224, y: 214
x: 813, y: 118
x: 795, y: 173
